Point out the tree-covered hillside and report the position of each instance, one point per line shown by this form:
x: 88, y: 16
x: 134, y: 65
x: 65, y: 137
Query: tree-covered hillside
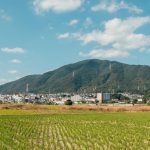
x: 86, y: 76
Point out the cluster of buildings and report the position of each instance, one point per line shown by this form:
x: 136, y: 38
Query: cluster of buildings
x: 61, y: 98
x: 138, y: 97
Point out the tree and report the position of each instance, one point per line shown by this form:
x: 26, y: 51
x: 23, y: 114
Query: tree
x: 146, y: 98
x: 96, y: 102
x: 68, y: 102
x: 134, y: 101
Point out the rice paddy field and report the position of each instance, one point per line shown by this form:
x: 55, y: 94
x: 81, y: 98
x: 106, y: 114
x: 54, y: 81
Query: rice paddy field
x: 55, y: 129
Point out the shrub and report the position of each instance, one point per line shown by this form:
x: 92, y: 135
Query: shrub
x: 148, y: 103
x: 134, y: 101
x: 96, y: 101
x: 51, y: 103
x: 68, y: 102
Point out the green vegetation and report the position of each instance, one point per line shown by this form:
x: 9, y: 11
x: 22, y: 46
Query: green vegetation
x: 68, y: 102
x: 85, y: 76
x: 73, y: 130
x: 120, y: 97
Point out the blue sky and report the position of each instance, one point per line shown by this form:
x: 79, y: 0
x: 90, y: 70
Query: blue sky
x: 37, y: 36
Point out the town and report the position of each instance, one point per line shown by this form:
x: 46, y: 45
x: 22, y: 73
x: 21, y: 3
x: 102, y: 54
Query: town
x: 75, y: 98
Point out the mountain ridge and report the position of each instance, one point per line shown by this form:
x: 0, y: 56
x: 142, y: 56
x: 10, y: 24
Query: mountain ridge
x: 86, y: 76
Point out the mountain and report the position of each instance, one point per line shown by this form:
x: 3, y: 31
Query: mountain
x: 86, y: 76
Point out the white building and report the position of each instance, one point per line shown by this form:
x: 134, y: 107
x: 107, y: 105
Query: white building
x: 99, y: 97
x: 17, y: 98
x: 103, y: 97
x: 76, y: 98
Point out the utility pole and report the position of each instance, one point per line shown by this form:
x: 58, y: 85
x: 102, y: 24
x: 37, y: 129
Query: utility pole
x: 49, y: 92
x: 144, y: 88
x: 73, y: 74
x: 118, y: 86
x: 27, y: 88
x: 110, y: 67
x: 138, y: 87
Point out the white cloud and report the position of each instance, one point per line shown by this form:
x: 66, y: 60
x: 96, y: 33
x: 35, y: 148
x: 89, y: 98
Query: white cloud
x: 13, y: 50
x: 105, y: 54
x: 12, y: 71
x: 4, y: 16
x: 115, y: 6
x: 68, y: 35
x: 41, y: 6
x: 15, y: 61
x: 120, y: 35
x: 88, y: 22
x: 63, y: 36
x: 73, y: 22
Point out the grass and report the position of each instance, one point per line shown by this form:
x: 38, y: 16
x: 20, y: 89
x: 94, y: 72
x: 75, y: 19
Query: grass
x: 56, y: 108
x: 59, y: 128
x: 110, y: 108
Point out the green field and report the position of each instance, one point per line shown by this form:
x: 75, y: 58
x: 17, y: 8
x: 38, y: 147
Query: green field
x: 78, y: 130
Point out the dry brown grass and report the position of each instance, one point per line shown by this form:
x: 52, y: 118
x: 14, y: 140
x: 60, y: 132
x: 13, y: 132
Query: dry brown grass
x: 108, y: 108
x: 23, y: 107
x: 100, y: 108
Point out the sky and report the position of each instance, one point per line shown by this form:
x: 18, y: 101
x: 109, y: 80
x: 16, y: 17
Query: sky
x: 37, y: 36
